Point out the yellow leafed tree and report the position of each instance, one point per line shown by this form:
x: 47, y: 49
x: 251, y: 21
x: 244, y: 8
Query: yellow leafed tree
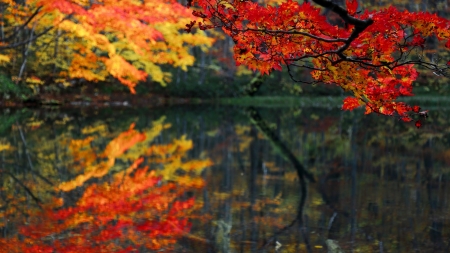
x: 93, y: 40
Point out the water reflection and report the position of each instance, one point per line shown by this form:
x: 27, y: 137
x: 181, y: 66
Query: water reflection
x: 90, y: 189
x: 223, y: 180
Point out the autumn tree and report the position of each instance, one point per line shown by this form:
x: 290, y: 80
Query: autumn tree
x: 94, y: 40
x: 371, y: 54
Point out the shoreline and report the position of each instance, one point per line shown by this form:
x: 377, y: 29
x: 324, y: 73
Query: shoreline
x: 123, y: 100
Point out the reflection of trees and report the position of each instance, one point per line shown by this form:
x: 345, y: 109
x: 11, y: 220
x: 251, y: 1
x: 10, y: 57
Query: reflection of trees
x: 382, y: 185
x: 302, y: 173
x: 347, y: 168
x: 279, y: 145
x: 118, y: 207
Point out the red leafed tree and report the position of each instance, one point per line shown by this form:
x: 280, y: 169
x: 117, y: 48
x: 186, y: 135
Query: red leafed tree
x: 371, y: 54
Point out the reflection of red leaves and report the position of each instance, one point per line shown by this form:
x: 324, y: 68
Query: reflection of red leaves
x: 132, y: 206
x: 127, y: 250
x: 178, y: 206
x: 350, y: 103
x: 418, y: 124
x: 40, y: 249
x: 108, y: 234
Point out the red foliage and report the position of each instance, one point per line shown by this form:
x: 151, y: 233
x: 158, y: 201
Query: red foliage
x: 372, y: 56
x: 352, y: 6
x: 350, y: 103
x: 418, y: 123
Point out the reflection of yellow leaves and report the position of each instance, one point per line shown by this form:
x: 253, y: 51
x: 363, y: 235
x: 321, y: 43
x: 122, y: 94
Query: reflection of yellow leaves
x: 157, y: 127
x: 133, y: 145
x: 316, y: 202
x: 170, y: 155
x: 62, y: 121
x: 244, y: 142
x: 4, y: 146
x: 179, y: 146
x: 240, y: 130
x: 240, y: 204
x: 169, y: 172
x: 92, y: 129
x: 244, y: 138
x: 4, y: 58
x: 290, y: 176
x: 196, y: 165
x: 182, y: 144
x: 78, y: 144
x: 212, y: 133
x: 34, y: 124
x: 114, y: 149
x: 34, y: 81
x: 193, y: 182
x: 221, y: 196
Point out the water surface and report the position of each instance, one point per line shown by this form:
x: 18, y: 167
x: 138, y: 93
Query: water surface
x: 222, y: 179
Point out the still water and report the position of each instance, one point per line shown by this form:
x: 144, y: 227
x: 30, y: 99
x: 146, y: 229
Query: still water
x: 223, y: 179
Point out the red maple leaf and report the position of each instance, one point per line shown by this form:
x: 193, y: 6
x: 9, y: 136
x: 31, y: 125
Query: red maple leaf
x: 350, y: 103
x: 418, y: 124
x: 352, y: 6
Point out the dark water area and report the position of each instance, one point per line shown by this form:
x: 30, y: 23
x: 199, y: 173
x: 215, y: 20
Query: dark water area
x: 223, y: 179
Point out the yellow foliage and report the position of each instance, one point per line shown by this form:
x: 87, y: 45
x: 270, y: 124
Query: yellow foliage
x: 4, y: 59
x: 272, y: 2
x: 97, y: 43
x: 34, y: 81
x: 243, y: 71
x: 134, y: 49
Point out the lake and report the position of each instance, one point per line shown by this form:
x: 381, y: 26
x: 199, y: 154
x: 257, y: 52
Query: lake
x: 212, y: 178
